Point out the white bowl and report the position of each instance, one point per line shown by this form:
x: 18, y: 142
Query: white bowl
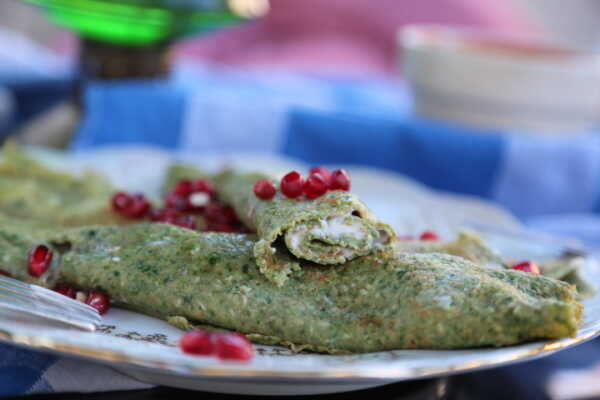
x: 500, y: 82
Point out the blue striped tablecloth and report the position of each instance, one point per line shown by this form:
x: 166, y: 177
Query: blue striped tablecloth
x: 365, y: 122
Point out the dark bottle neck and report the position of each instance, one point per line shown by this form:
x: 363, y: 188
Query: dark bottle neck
x: 105, y: 61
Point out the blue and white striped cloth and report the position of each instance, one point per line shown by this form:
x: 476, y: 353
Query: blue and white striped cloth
x: 25, y: 372
x: 329, y: 121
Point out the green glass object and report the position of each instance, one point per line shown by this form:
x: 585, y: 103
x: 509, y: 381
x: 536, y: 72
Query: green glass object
x: 146, y: 22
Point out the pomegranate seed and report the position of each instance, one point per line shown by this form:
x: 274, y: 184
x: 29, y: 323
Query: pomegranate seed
x: 40, y: 258
x: 429, y: 235
x: 339, y: 180
x: 138, y: 208
x: 135, y: 206
x: 5, y: 273
x: 183, y: 187
x: 527, y: 266
x: 202, y: 185
x: 121, y: 201
x: 315, y: 186
x: 230, y: 215
x: 164, y: 214
x: 213, y: 212
x: 99, y: 301
x: 173, y: 217
x: 233, y: 346
x: 292, y: 184
x: 324, y: 172
x: 264, y: 189
x: 177, y: 202
x: 66, y: 290
x: 200, y: 343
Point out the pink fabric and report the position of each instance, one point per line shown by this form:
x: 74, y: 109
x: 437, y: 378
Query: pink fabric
x: 348, y: 37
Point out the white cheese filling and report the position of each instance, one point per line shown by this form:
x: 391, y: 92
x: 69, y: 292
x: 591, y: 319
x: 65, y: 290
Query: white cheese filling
x: 334, y: 229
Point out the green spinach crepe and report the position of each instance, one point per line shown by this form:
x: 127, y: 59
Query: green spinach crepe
x: 470, y: 246
x: 330, y: 230
x: 381, y: 301
x: 31, y: 191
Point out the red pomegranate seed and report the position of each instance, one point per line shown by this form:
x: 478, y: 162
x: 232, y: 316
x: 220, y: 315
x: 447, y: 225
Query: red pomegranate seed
x: 233, y: 346
x: 213, y: 212
x: 339, y: 180
x: 121, y: 201
x: 527, y: 266
x: 315, y: 186
x: 202, y: 185
x: 177, y: 202
x: 324, y: 172
x: 173, y: 217
x: 99, y: 301
x: 292, y: 184
x: 429, y: 235
x: 230, y: 215
x: 135, y: 206
x: 164, y: 214
x: 201, y: 343
x: 264, y: 189
x: 138, y: 208
x: 40, y: 258
x: 66, y: 290
x: 5, y: 273
x: 183, y: 187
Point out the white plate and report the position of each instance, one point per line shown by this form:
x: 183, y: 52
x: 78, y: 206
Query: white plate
x: 144, y: 347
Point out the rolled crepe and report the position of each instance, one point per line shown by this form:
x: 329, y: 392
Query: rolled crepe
x: 382, y: 301
x: 330, y: 230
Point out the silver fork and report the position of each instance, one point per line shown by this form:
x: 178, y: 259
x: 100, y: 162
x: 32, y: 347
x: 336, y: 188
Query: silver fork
x: 41, y: 302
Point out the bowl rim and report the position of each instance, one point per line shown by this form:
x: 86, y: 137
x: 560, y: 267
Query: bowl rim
x: 487, y: 42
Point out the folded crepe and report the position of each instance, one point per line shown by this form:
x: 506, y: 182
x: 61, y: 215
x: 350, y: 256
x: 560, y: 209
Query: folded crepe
x: 330, y: 230
x: 377, y: 302
x: 31, y: 191
x: 470, y: 246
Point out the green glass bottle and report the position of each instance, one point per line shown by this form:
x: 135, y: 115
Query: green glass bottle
x: 144, y: 22
x: 130, y: 38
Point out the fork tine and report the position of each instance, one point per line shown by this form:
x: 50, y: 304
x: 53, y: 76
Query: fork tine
x: 38, y: 301
x: 63, y: 306
x: 42, y: 293
x: 80, y: 323
x: 44, y: 307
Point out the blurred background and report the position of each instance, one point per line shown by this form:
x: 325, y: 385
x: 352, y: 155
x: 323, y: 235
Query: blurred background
x: 499, y: 100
